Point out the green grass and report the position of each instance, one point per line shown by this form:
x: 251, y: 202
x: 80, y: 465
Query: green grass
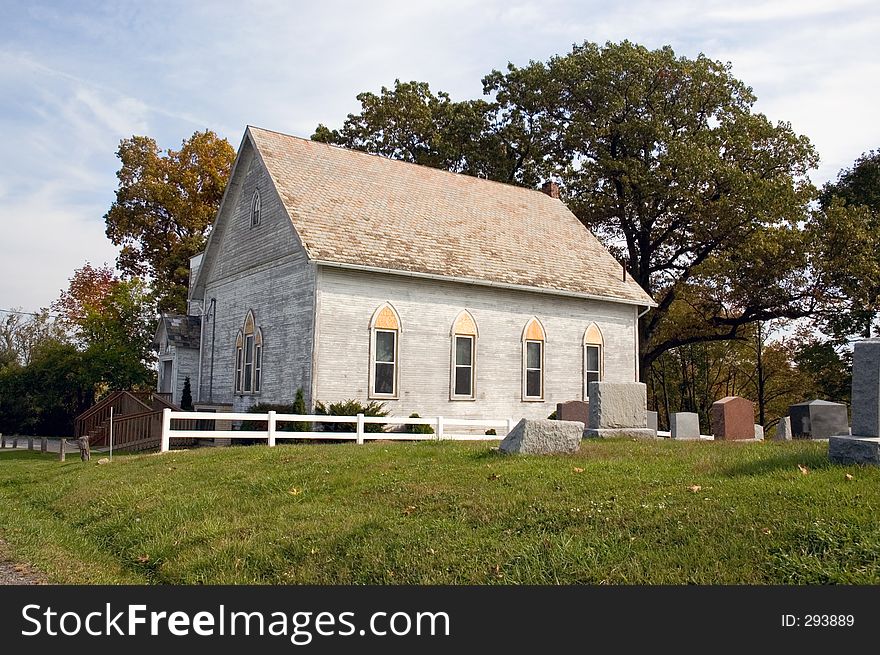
x: 448, y: 513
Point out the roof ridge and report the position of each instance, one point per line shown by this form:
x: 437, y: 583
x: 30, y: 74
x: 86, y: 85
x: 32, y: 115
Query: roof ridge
x: 400, y: 161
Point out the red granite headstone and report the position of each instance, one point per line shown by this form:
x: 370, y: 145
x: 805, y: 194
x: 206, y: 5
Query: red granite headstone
x: 733, y: 417
x: 574, y: 410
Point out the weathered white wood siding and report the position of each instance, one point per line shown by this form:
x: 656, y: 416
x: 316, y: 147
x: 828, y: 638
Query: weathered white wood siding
x: 347, y: 300
x: 263, y: 269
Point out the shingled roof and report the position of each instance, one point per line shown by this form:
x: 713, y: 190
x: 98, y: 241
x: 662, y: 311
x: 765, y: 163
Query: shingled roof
x: 355, y: 209
x: 182, y: 331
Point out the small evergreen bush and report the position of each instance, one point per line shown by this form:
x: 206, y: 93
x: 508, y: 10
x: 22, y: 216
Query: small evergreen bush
x: 351, y: 407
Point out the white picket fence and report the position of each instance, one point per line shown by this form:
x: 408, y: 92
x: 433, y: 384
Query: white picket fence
x: 272, y: 435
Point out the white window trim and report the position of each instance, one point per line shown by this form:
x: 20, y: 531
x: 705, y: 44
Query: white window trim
x: 238, y: 367
x: 473, y: 366
x: 256, y: 209
x: 395, y: 386
x: 601, y: 370
x: 525, y: 397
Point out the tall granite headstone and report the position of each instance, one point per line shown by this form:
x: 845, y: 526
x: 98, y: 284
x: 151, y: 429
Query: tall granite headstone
x: 863, y: 445
x: 619, y: 409
x: 866, y: 388
x: 733, y: 417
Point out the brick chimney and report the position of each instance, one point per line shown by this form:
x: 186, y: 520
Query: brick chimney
x: 551, y: 189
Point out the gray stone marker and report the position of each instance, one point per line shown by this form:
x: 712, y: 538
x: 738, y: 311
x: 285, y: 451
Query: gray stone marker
x: 619, y: 409
x: 15, y: 442
x: 685, y: 425
x: 818, y: 419
x: 783, y: 430
x: 44, y: 444
x: 866, y: 389
x: 30, y: 443
x: 573, y: 410
x: 652, y: 421
x: 862, y: 446
x: 543, y: 437
x: 759, y: 432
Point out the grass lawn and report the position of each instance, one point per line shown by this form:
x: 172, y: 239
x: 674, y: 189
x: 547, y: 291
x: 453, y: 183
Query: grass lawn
x: 618, y: 512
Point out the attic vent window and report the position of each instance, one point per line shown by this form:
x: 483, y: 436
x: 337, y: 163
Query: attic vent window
x: 256, y: 209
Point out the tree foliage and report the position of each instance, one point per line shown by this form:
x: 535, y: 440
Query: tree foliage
x: 113, y: 321
x: 661, y: 156
x: 849, y: 222
x: 164, y: 207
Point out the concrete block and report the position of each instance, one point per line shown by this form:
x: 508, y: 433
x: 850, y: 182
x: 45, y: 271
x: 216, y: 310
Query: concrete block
x: 854, y: 450
x: 685, y: 425
x: 543, y: 437
x: 866, y: 388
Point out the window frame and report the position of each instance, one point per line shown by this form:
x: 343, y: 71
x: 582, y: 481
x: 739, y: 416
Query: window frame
x: 248, y: 376
x: 593, y: 338
x: 597, y: 370
x: 374, y: 362
x: 471, y: 395
x: 256, y: 209
x: 525, y: 370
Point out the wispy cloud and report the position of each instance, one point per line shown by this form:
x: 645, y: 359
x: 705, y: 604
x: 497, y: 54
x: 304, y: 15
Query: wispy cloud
x: 76, y: 78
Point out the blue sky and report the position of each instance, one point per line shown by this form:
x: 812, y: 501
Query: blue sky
x: 76, y: 77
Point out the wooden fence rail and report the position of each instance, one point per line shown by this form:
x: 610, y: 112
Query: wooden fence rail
x: 271, y: 434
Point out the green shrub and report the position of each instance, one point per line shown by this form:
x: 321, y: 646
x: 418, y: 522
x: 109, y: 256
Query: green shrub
x: 552, y: 416
x: 491, y: 431
x: 279, y: 408
x: 351, y: 407
x: 186, y: 397
x: 419, y: 429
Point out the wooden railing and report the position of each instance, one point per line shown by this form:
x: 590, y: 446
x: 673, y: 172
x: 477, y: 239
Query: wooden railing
x: 95, y: 422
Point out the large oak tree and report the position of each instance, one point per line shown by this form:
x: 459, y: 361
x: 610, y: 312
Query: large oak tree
x: 164, y: 208
x: 661, y: 156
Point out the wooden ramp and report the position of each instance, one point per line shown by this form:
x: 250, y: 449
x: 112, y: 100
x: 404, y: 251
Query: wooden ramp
x: 137, y: 420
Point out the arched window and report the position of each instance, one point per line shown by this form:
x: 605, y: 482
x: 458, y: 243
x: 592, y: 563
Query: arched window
x: 256, y: 209
x: 533, y: 339
x: 464, y: 354
x: 384, y: 351
x: 593, y: 353
x: 249, y: 357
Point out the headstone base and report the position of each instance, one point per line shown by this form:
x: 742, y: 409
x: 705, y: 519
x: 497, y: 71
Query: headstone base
x: 854, y: 450
x: 630, y: 433
x: 543, y: 437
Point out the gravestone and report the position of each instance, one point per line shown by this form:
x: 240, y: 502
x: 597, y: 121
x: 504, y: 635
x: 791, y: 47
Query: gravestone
x: 574, y: 410
x: 866, y: 389
x: 15, y: 442
x: 30, y: 443
x: 732, y: 418
x: 863, y: 445
x: 44, y: 444
x: 543, y: 437
x: 818, y: 419
x: 684, y: 425
x: 783, y: 430
x: 652, y: 421
x: 759, y: 432
x: 619, y: 409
